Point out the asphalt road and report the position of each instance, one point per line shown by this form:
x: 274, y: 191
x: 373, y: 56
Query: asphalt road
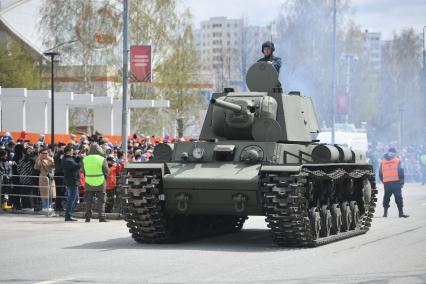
x: 37, y: 249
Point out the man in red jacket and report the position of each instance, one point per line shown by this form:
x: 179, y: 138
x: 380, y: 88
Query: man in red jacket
x: 111, y: 184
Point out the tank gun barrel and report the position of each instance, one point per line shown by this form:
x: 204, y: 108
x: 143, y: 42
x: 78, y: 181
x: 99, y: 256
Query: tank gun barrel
x: 226, y: 105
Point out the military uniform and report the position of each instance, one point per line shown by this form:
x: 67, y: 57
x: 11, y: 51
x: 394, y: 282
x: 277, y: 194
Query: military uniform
x: 275, y: 61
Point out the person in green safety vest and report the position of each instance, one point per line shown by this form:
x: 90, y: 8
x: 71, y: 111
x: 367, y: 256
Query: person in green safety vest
x: 423, y: 166
x: 95, y: 169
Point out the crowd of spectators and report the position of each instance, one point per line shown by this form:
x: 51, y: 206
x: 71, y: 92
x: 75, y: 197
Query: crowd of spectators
x: 410, y: 156
x: 32, y: 175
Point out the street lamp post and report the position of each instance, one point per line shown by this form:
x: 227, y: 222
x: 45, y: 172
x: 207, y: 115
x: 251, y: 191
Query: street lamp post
x: 350, y: 58
x: 401, y: 126
x: 124, y: 121
x: 333, y: 79
x: 52, y: 86
x: 424, y: 65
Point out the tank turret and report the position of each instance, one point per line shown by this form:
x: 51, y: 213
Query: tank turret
x: 263, y: 114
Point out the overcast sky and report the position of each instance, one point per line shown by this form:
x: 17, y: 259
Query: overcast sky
x: 384, y: 16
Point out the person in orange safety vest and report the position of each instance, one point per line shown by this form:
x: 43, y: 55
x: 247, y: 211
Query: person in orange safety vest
x: 391, y: 174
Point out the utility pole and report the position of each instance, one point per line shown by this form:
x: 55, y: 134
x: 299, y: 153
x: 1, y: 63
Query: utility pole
x: 401, y: 126
x: 124, y: 121
x: 349, y: 59
x: 52, y: 90
x: 424, y: 66
x: 333, y: 79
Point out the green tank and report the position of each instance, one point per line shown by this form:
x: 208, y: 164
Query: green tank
x: 256, y: 156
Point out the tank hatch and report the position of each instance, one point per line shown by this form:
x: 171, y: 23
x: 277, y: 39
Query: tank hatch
x: 262, y: 77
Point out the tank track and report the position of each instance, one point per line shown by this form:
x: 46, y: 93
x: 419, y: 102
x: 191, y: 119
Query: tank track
x: 285, y: 202
x: 148, y: 222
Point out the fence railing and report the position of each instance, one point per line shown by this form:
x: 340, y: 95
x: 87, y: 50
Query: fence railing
x: 9, y: 186
x: 8, y: 190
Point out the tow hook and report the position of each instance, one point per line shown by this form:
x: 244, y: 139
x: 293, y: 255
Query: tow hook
x: 182, y: 201
x: 239, y: 202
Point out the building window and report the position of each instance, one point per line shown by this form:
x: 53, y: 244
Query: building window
x: 217, y: 42
x: 217, y: 34
x: 216, y: 25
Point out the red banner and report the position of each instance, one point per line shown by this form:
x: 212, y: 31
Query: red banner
x: 342, y: 103
x: 140, y: 63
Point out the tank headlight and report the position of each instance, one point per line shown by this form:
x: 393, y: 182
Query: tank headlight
x: 198, y: 153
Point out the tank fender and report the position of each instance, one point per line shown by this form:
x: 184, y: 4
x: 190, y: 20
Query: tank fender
x: 148, y: 166
x: 279, y: 168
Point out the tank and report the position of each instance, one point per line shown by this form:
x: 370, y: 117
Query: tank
x: 256, y: 156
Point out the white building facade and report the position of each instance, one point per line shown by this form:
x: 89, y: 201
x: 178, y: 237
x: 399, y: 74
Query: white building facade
x: 226, y: 48
x: 374, y: 47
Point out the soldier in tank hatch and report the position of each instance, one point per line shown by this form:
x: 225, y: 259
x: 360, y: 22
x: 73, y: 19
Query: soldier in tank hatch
x: 268, y: 49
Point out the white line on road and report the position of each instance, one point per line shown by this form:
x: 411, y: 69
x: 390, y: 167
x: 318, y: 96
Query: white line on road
x: 55, y: 281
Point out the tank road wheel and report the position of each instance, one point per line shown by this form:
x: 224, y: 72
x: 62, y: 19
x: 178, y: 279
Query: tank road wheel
x: 355, y: 215
x: 366, y: 191
x: 336, y: 219
x: 315, y: 218
x: 325, y: 221
x: 346, y: 216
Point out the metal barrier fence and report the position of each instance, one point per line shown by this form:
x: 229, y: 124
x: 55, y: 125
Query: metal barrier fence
x: 48, y: 213
x: 13, y: 194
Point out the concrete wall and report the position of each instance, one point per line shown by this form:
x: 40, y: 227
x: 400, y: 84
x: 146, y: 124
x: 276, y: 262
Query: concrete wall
x: 62, y: 102
x: 30, y: 110
x: 14, y: 104
x: 103, y: 115
x: 37, y: 111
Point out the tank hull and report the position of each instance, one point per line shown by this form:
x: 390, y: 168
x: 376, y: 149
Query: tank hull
x: 300, y: 202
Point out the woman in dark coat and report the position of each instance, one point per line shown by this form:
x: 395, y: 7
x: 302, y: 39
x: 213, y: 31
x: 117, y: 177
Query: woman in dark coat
x: 27, y: 178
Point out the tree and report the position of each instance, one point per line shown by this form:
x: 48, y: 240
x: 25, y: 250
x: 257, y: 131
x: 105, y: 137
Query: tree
x: 305, y: 43
x: 179, y: 70
x: 400, y: 83
x: 86, y: 33
x: 82, y: 29
x: 364, y: 85
x: 18, y: 66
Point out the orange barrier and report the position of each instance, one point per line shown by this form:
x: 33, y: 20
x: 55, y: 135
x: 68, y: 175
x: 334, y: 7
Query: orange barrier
x: 33, y: 137
x: 115, y: 139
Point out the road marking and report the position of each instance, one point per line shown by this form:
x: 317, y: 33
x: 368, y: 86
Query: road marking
x: 55, y: 281
x: 424, y: 204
